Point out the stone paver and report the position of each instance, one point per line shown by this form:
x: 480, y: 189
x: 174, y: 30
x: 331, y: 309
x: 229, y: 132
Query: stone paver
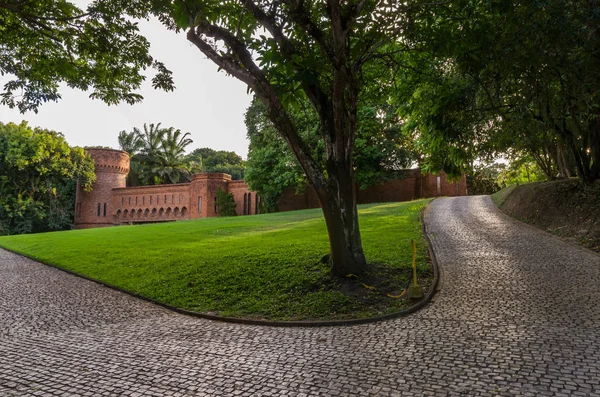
x: 518, y: 315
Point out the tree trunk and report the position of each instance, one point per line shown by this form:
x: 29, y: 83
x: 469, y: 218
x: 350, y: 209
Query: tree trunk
x: 338, y: 202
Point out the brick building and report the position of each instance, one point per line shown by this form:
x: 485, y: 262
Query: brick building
x: 111, y: 202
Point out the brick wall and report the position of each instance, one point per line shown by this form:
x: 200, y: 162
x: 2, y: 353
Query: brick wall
x: 413, y: 186
x: 143, y: 204
x: 110, y: 202
x: 94, y: 209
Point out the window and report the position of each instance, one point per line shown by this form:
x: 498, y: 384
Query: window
x: 165, y: 199
x: 180, y: 198
x: 104, y: 209
x: 122, y: 200
x: 129, y: 200
x: 245, y: 202
x: 249, y: 203
x: 172, y: 199
x: 150, y: 199
x: 98, y: 209
x: 143, y: 200
x: 216, y: 204
x: 199, y: 204
x: 157, y: 199
x: 136, y: 200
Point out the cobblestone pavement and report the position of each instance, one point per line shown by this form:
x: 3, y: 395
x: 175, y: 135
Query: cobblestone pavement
x: 518, y: 314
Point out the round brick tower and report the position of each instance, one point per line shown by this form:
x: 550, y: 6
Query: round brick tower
x: 94, y: 209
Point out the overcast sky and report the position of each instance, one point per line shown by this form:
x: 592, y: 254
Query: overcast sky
x: 208, y: 104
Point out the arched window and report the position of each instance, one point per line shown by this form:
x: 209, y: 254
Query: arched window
x: 245, y: 202
x: 184, y: 211
x: 150, y: 199
x: 172, y: 199
x: 249, y: 203
x: 180, y: 195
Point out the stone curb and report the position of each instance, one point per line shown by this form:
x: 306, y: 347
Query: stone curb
x: 419, y: 305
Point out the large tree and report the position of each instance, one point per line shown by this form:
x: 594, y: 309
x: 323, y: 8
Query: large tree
x: 381, y: 149
x: 157, y: 155
x: 284, y: 50
x: 38, y: 173
x: 210, y: 160
x: 511, y: 77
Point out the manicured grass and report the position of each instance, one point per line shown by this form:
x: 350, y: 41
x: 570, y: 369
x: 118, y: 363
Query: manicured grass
x: 500, y: 196
x: 262, y: 266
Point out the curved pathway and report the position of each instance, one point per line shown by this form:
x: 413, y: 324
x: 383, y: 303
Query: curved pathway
x: 518, y: 314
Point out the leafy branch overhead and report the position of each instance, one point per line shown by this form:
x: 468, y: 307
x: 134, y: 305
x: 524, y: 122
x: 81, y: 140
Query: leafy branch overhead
x: 49, y: 42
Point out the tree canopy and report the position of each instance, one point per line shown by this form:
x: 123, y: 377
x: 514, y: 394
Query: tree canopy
x: 157, y: 155
x: 210, y: 160
x: 48, y: 42
x: 38, y: 175
x: 381, y: 150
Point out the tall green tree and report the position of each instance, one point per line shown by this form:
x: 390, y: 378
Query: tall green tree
x: 382, y: 150
x: 316, y: 50
x: 157, y: 155
x: 210, y: 160
x: 513, y: 77
x: 38, y: 174
x: 172, y: 166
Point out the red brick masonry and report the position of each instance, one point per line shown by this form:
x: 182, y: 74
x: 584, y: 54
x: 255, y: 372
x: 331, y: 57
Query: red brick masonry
x: 112, y: 203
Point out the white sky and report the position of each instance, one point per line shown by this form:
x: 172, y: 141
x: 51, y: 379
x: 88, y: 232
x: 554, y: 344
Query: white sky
x: 208, y: 104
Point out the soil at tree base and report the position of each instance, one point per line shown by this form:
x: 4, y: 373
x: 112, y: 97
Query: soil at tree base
x: 566, y: 208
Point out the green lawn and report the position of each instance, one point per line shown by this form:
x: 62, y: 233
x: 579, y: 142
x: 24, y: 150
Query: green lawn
x: 263, y: 266
x: 500, y: 196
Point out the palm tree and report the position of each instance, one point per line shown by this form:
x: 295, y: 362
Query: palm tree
x: 172, y: 165
x: 131, y: 143
x: 150, y: 152
x: 157, y: 155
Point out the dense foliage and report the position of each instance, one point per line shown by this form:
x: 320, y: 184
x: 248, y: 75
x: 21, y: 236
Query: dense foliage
x: 225, y: 203
x: 381, y: 150
x: 510, y: 78
x: 38, y: 174
x: 157, y: 155
x: 210, y: 160
x: 49, y: 42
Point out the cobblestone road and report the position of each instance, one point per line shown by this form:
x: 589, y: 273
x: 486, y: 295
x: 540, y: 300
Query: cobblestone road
x: 518, y: 314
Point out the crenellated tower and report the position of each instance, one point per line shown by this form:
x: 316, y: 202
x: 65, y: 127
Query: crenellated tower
x: 94, y: 209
